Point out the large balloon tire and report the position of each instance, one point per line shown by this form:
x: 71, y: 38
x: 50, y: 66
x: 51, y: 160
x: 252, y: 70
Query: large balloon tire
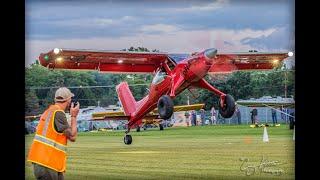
x: 165, y: 107
x: 229, y: 107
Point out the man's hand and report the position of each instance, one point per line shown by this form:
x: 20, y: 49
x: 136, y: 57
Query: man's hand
x: 74, y: 110
x: 72, y: 132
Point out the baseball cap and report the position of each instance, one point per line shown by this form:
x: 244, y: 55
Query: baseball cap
x: 63, y: 94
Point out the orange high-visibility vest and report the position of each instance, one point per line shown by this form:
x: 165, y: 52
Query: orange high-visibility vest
x: 49, y: 146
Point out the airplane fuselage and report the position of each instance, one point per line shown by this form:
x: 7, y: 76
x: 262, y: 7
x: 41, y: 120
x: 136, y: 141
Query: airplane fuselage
x: 186, y: 73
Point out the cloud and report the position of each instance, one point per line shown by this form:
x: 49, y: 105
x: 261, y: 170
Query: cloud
x: 69, y: 28
x: 92, y: 22
x: 182, y: 41
x: 127, y: 18
x: 209, y: 7
x: 231, y: 40
x: 104, y: 22
x: 161, y: 28
x: 109, y: 19
x: 194, y: 8
x: 280, y: 39
x: 228, y: 43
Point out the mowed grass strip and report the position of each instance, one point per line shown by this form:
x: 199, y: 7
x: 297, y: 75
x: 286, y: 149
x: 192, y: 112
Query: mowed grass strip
x: 208, y: 152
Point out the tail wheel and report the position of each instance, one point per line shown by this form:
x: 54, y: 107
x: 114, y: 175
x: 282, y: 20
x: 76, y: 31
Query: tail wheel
x: 165, y: 107
x: 161, y: 127
x: 127, y: 139
x: 228, y: 107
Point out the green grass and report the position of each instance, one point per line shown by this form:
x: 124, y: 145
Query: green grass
x: 209, y: 152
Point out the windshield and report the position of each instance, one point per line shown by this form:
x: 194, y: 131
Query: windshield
x: 159, y: 77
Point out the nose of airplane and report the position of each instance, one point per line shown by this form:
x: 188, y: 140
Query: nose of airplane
x: 210, y: 53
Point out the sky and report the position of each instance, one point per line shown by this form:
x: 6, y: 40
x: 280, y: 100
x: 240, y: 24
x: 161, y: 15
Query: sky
x: 169, y: 26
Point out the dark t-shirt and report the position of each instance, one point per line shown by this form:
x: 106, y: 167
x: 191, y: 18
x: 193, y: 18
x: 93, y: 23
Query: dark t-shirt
x: 254, y: 112
x: 60, y: 122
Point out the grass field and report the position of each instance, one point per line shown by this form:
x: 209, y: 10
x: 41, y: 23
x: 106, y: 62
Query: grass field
x: 209, y: 152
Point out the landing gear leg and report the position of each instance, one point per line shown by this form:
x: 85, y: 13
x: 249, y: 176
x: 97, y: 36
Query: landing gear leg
x: 226, y: 103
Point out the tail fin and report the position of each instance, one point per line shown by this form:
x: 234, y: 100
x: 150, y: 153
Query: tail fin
x: 127, y: 100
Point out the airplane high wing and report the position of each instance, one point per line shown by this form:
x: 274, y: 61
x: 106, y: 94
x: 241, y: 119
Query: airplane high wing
x: 229, y: 62
x: 148, y: 62
x: 105, y: 61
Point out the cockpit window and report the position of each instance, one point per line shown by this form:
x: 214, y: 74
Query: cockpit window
x: 159, y: 77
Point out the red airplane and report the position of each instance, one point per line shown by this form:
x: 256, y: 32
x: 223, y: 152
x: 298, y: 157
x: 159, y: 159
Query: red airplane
x: 170, y: 79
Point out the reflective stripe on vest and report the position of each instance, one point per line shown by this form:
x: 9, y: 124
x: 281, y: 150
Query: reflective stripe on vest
x: 46, y: 124
x: 50, y: 143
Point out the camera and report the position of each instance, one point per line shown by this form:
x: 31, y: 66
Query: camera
x: 75, y: 104
x: 74, y: 101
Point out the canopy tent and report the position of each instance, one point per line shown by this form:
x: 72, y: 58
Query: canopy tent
x: 272, y: 103
x: 268, y: 101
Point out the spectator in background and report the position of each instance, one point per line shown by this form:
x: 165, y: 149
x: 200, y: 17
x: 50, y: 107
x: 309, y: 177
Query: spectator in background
x: 291, y: 118
x: 283, y: 116
x: 193, y: 117
x: 252, y: 121
x: 238, y: 114
x: 254, y: 114
x: 187, y: 115
x: 274, y: 116
x: 287, y: 113
x: 202, y: 116
x: 213, y: 116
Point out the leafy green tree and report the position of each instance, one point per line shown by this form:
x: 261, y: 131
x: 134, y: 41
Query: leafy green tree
x: 31, y: 103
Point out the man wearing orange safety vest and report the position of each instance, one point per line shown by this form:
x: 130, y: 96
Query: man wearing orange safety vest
x: 48, y: 151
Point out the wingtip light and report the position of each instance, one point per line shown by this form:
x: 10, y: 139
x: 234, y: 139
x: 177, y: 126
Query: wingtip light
x: 56, y: 50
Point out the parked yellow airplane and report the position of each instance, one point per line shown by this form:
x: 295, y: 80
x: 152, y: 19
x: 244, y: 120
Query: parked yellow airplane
x: 151, y: 118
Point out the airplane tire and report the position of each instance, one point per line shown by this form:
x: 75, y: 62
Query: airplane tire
x: 161, y: 127
x: 127, y: 139
x: 229, y: 107
x: 138, y: 129
x: 165, y: 107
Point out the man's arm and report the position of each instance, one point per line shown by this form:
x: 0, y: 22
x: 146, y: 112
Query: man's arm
x: 71, y: 132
